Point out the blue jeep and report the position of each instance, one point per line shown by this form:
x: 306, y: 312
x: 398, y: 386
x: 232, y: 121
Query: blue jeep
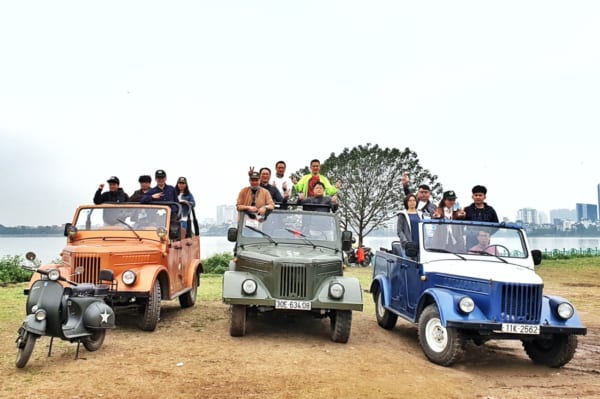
x: 474, y: 281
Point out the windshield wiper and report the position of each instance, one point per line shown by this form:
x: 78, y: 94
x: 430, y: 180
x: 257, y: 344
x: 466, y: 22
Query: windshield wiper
x: 130, y: 228
x: 298, y: 233
x: 268, y: 237
x: 445, y: 251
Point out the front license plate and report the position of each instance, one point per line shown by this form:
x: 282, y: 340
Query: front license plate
x: 293, y: 305
x: 530, y: 329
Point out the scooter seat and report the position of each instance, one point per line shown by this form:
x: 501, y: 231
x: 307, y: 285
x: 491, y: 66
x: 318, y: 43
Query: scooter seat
x: 101, y: 289
x: 83, y: 289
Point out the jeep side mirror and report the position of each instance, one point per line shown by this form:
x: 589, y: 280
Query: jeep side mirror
x: 536, y: 254
x: 411, y: 249
x: 232, y: 234
x: 66, y: 232
x: 346, y: 240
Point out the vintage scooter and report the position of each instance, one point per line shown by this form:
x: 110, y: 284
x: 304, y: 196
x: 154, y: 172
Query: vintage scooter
x: 73, y: 312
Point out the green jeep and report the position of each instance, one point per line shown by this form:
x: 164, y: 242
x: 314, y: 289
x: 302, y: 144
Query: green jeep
x: 291, y: 261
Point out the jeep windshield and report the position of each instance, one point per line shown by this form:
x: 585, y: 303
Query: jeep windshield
x: 111, y: 217
x: 474, y: 238
x: 292, y: 227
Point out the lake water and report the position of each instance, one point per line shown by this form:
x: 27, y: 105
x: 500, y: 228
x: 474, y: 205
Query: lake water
x: 48, y: 248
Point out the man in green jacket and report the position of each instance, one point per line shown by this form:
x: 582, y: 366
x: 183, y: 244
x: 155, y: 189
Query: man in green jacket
x: 304, y: 187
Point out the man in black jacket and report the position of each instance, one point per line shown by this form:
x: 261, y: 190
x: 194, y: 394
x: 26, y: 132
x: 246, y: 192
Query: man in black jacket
x: 114, y: 193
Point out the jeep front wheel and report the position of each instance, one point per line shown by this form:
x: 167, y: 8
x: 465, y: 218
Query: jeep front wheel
x: 441, y: 345
x: 552, y: 352
x: 341, y: 323
x: 150, y: 311
x: 385, y: 318
x: 237, y: 326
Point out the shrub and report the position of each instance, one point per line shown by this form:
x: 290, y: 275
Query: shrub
x: 217, y: 264
x: 11, y: 271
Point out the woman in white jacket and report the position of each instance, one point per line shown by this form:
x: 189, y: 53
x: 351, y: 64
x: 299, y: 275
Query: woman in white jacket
x: 408, y: 221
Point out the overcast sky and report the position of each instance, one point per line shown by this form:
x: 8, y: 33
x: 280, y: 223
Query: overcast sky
x: 505, y: 94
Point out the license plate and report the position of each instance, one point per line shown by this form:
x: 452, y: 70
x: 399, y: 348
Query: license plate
x: 293, y: 305
x: 530, y: 329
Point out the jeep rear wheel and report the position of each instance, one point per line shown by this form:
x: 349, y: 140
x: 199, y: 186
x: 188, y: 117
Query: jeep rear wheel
x: 385, y: 318
x: 441, y: 345
x: 150, y: 312
x: 237, y: 326
x: 189, y: 298
x: 553, y: 352
x: 341, y: 323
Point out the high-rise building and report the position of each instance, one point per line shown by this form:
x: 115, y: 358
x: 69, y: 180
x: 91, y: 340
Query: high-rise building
x: 528, y: 216
x: 586, y: 212
x: 563, y: 214
x: 226, y: 214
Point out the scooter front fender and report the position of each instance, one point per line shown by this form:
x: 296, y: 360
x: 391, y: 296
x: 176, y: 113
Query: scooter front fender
x: 34, y: 326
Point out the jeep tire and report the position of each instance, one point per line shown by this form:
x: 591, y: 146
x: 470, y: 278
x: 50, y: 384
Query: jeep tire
x: 188, y: 299
x: 553, y: 352
x: 150, y: 311
x: 385, y: 318
x: 237, y: 326
x: 441, y: 345
x: 341, y: 324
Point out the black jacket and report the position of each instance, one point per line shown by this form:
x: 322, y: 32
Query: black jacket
x: 110, y: 196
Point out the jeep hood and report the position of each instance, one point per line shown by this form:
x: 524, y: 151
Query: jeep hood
x: 490, y: 270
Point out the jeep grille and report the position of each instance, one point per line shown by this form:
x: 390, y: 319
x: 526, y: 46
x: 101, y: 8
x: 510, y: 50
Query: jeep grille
x: 292, y: 281
x: 89, y: 267
x: 521, y: 303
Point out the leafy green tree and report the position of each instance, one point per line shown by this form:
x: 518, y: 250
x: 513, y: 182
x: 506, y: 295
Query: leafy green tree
x: 371, y: 193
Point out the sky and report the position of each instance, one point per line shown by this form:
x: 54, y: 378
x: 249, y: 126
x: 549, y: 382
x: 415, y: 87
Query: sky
x: 504, y: 94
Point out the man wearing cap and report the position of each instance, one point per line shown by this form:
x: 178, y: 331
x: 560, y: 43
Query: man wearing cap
x: 161, y: 192
x: 254, y: 198
x: 145, y: 181
x: 424, y: 203
x: 480, y: 211
x: 114, y: 193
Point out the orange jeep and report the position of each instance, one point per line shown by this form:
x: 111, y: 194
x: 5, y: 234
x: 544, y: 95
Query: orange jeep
x: 143, y: 247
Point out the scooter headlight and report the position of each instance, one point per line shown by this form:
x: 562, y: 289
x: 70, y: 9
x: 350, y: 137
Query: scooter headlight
x: 53, y: 274
x: 249, y: 287
x: 128, y: 277
x: 336, y: 290
x: 40, y: 314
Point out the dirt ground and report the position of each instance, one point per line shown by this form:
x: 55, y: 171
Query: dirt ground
x: 191, y: 355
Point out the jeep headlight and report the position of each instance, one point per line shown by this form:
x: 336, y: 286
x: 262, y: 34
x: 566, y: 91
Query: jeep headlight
x: 128, y: 277
x: 336, y: 290
x: 565, y: 310
x: 466, y: 304
x: 249, y: 287
x: 53, y: 274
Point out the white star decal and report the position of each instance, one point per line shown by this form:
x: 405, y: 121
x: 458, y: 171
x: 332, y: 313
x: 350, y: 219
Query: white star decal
x: 105, y: 317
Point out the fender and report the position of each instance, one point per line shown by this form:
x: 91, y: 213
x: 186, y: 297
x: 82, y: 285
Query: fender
x: 549, y: 304
x: 34, y: 326
x: 352, y: 298
x: 384, y: 285
x: 146, y: 276
x: 232, y: 289
x: 447, y: 303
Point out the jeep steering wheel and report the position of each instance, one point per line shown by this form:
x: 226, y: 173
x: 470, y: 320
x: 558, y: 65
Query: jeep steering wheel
x: 495, y: 247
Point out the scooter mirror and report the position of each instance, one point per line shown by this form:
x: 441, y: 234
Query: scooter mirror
x: 30, y: 256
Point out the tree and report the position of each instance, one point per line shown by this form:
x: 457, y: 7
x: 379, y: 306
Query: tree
x: 371, y: 192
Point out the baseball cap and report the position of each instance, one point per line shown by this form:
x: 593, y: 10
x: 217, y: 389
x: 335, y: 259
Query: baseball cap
x: 113, y: 179
x: 160, y: 173
x: 145, y: 179
x: 182, y: 180
x: 254, y: 176
x: 451, y: 195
